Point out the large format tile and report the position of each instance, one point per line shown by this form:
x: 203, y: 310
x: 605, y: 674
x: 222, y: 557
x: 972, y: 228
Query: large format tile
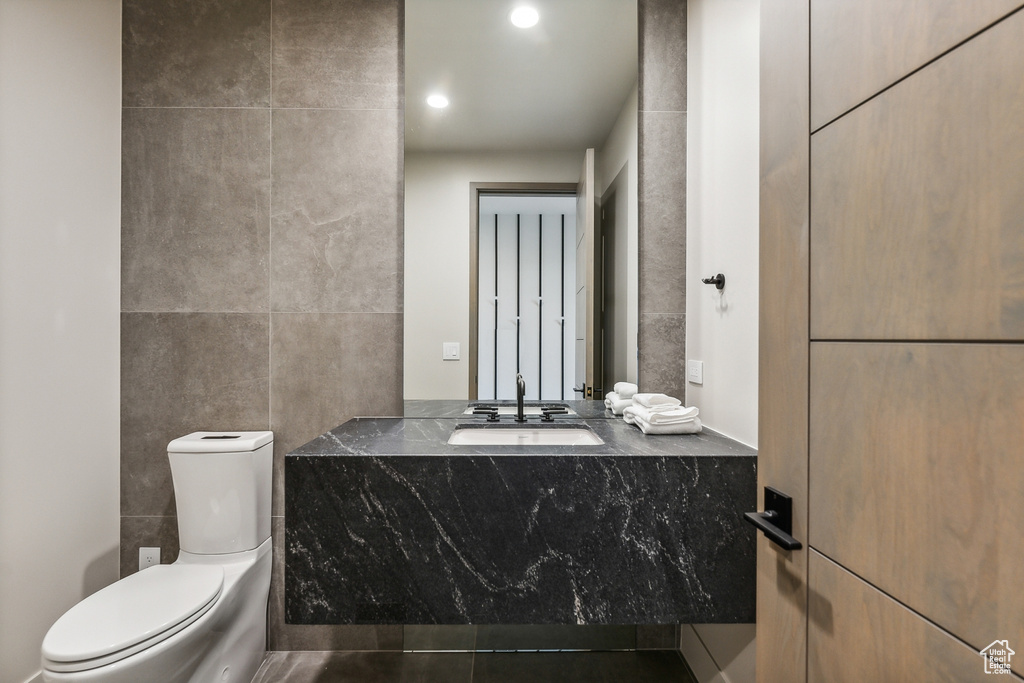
x: 337, y: 224
x: 195, y: 210
x: 662, y: 347
x: 183, y: 372
x: 427, y: 637
x: 196, y: 53
x: 450, y: 667
x: 147, y: 532
x: 662, y: 240
x: 657, y: 637
x: 581, y: 667
x: 338, y: 54
x: 327, y: 368
x: 365, y: 667
x: 662, y: 27
x: 556, y: 637
x: 282, y: 636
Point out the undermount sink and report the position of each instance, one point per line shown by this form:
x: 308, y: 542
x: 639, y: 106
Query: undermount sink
x: 523, y: 435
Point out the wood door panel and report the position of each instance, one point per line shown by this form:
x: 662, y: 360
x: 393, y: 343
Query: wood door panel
x: 782, y: 385
x: 858, y: 634
x: 860, y: 48
x: 917, y: 203
x: 917, y: 477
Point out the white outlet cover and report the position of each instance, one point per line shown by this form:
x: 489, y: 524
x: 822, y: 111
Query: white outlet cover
x: 148, y: 557
x: 695, y: 371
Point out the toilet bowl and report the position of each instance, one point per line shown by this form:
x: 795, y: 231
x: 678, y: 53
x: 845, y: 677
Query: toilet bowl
x: 202, y: 618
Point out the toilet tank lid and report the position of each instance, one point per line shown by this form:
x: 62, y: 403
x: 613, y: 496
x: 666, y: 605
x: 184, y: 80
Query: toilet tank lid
x: 220, y: 442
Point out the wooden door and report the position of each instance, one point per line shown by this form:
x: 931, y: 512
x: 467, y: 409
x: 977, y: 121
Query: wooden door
x: 892, y: 316
x: 588, y: 340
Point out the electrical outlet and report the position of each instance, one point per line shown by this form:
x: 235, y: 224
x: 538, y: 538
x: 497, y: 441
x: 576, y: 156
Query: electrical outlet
x: 695, y: 371
x: 148, y: 557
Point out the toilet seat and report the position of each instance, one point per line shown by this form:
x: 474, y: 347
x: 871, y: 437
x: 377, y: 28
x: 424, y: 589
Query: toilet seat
x: 131, y: 615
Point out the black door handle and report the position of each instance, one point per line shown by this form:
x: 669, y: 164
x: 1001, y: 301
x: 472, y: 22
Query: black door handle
x: 777, y: 519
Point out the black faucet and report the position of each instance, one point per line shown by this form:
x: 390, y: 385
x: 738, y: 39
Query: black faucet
x: 520, y: 393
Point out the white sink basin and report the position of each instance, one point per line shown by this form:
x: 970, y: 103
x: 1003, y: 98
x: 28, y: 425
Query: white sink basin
x: 509, y: 435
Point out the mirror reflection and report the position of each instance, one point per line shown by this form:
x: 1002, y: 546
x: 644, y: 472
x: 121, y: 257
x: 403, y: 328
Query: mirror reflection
x: 547, y: 111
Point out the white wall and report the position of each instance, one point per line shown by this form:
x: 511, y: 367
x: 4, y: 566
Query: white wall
x: 60, y: 165
x: 722, y: 211
x: 722, y: 237
x: 437, y: 209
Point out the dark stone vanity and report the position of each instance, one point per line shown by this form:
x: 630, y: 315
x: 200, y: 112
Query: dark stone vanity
x: 387, y: 523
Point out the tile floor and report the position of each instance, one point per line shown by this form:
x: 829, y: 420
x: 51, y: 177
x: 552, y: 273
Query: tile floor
x: 650, y: 666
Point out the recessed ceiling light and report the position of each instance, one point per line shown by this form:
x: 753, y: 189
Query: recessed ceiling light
x: 524, y: 17
x: 437, y: 101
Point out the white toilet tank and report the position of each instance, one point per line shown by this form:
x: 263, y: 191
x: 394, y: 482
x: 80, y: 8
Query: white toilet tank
x: 222, y: 485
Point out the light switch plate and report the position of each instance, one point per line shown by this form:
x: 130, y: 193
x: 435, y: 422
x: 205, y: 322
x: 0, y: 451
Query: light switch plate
x: 695, y: 371
x: 450, y: 351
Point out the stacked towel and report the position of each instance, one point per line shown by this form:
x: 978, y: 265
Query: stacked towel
x: 656, y: 401
x: 667, y: 415
x: 616, y: 403
x: 625, y: 389
x: 661, y: 414
x: 691, y: 427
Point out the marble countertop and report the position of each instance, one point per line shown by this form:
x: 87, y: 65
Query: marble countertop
x: 429, y: 436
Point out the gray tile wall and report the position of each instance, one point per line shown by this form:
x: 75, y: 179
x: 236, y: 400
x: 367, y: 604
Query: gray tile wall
x: 662, y: 178
x: 262, y: 228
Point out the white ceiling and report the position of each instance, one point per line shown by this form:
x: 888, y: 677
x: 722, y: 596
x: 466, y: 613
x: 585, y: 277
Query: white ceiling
x: 557, y: 86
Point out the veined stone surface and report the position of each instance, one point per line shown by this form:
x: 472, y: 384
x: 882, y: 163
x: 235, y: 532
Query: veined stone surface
x: 386, y: 523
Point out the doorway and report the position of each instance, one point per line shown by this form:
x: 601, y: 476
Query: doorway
x: 522, y: 290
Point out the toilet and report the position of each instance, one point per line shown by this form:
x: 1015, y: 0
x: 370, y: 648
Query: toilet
x: 204, y: 617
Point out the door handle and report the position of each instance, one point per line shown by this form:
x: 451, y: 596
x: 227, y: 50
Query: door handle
x: 777, y: 519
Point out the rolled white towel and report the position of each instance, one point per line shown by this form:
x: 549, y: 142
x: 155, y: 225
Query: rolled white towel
x: 625, y: 389
x: 618, y: 406
x: 673, y: 415
x: 610, y: 398
x: 655, y: 400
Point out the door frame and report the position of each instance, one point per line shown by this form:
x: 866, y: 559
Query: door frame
x: 476, y: 190
x: 784, y: 332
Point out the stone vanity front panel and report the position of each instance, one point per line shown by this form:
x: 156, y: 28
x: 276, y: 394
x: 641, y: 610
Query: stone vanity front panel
x: 388, y: 524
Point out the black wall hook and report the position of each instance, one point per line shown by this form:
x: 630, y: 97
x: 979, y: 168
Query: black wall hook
x: 718, y: 281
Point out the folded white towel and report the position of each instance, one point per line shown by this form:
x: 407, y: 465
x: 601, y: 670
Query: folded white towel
x: 625, y: 389
x: 689, y: 427
x: 609, y: 399
x: 655, y: 400
x: 669, y: 416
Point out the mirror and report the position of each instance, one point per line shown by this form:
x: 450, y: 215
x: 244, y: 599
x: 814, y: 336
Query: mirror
x: 524, y: 105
